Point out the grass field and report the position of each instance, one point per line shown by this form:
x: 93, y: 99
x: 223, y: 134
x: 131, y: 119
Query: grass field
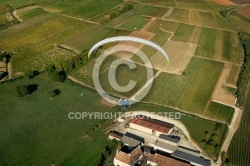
x: 36, y: 129
x: 220, y: 112
x: 19, y: 3
x: 135, y: 22
x: 32, y: 13
x: 238, y: 152
x: 31, y: 43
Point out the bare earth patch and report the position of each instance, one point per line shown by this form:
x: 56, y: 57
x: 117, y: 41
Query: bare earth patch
x: 177, y: 52
x: 220, y: 94
x: 245, y: 11
x: 106, y: 103
x: 224, y: 2
x: 137, y: 46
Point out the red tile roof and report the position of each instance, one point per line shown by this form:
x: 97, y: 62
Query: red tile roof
x: 116, y: 134
x: 152, y: 124
x: 165, y: 161
x: 129, y: 158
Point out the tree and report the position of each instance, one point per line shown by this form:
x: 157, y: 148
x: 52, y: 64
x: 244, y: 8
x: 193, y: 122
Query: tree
x: 129, y: 7
x: 112, y: 15
x: 22, y: 90
x: 31, y: 74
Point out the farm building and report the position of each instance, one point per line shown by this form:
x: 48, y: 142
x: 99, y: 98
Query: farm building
x: 166, y: 144
x: 151, y: 126
x: 115, y: 135
x: 160, y: 160
x: 193, y: 159
x: 129, y: 141
x: 128, y: 159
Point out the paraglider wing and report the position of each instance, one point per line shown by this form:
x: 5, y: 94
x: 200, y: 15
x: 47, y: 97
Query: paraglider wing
x: 129, y: 39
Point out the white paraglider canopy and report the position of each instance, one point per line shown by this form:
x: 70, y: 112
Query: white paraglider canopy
x: 129, y: 39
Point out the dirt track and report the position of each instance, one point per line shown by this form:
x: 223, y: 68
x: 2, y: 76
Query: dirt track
x: 220, y: 93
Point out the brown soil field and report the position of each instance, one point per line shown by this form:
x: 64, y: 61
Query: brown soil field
x: 224, y: 2
x: 220, y: 93
x: 177, y: 52
x: 106, y: 103
x: 137, y: 46
x: 245, y: 11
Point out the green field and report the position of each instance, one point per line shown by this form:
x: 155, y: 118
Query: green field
x: 135, y: 22
x: 32, y: 13
x: 31, y: 43
x: 220, y: 112
x: 36, y: 130
x: 19, y: 3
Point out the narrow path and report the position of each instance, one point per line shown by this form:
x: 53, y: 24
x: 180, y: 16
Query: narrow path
x: 76, y: 18
x: 168, y: 13
x: 233, y: 127
x: 149, y: 23
x: 17, y: 17
x: 142, y: 88
x: 9, y: 69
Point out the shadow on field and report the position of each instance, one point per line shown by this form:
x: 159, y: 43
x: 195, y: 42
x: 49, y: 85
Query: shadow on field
x: 32, y: 88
